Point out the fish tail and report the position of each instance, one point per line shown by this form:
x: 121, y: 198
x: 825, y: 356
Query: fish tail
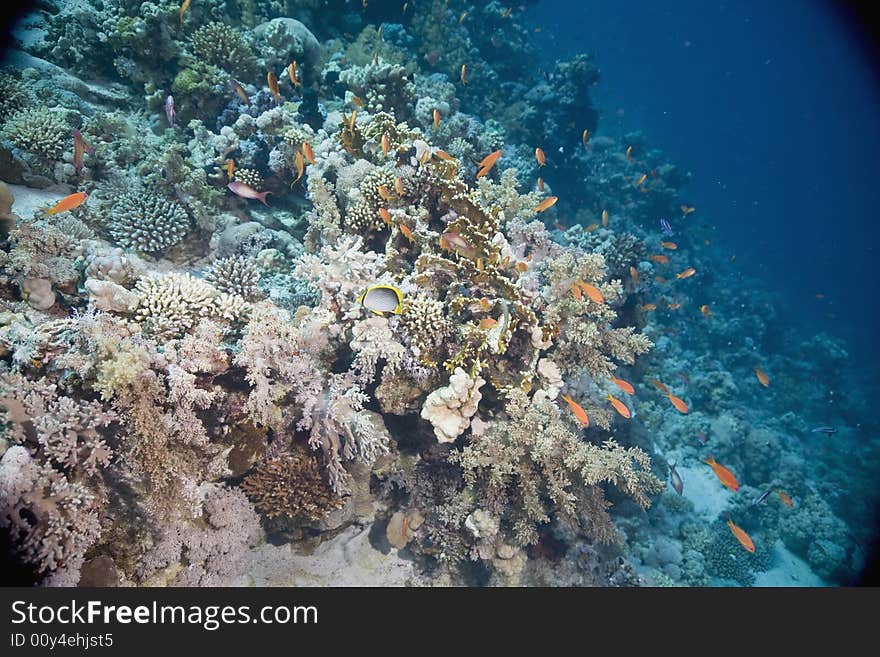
x: 711, y: 460
x: 262, y: 198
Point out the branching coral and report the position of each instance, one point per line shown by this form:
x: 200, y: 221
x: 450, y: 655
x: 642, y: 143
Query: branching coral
x: 171, y: 305
x: 237, y: 275
x: 223, y: 46
x: 145, y: 222
x: 292, y: 486
x: 531, y: 465
x: 38, y: 130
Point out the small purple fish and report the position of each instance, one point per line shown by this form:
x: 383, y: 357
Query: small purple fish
x: 828, y: 431
x: 246, y: 191
x: 762, y: 496
x: 665, y: 227
x: 675, y: 479
x: 169, y: 109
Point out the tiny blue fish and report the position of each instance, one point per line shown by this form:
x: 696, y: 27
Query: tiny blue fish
x: 665, y: 227
x: 829, y: 431
x: 762, y: 496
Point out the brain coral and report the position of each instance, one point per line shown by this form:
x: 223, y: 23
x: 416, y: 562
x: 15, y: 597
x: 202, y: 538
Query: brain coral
x: 146, y: 222
x: 38, y: 130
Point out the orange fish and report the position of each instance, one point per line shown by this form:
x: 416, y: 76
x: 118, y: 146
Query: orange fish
x: 230, y: 168
x: 687, y: 273
x: 384, y: 215
x: 546, y: 204
x: 605, y: 218
x: 634, y: 273
x: 591, y: 228
x: 68, y: 203
x: 641, y: 179
x: 744, y: 539
x: 357, y: 100
x: 539, y: 155
x: 705, y: 310
x: 80, y: 148
x: 183, y: 9
x: 669, y: 245
x: 577, y: 411
x: 576, y: 292
x: 443, y: 155
x: 463, y: 76
x: 398, y: 186
x: 629, y: 153
x: 679, y: 404
x: 291, y: 72
x: 585, y: 137
x: 786, y: 500
x: 300, y: 167
x: 540, y: 184
x: 662, y: 259
x: 592, y: 291
x: 623, y: 385
x: 762, y: 377
x: 619, y: 406
x: 488, y: 322
x: 661, y: 280
x: 649, y: 307
x: 489, y: 161
x: 673, y: 306
x: 384, y: 193
x: 659, y: 385
x: 522, y: 267
x: 686, y: 210
x: 723, y: 474
x: 310, y: 154
x: 407, y: 233
x: 436, y: 119
x: 272, y: 81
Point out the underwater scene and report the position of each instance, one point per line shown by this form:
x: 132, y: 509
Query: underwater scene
x: 437, y: 293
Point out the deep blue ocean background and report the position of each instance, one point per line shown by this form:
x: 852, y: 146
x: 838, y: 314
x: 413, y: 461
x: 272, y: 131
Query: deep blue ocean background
x: 773, y: 108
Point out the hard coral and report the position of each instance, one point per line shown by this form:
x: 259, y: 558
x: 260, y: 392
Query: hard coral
x: 146, y: 222
x: 292, y: 485
x: 38, y: 130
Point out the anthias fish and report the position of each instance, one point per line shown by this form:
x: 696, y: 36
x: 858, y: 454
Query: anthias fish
x: 740, y: 535
x: 546, y: 204
x: 724, y: 475
x: 169, y: 109
x: 619, y: 406
x: 763, y: 379
x: 80, y: 148
x: 540, y: 157
x: 248, y: 192
x: 68, y: 203
x: 577, y: 411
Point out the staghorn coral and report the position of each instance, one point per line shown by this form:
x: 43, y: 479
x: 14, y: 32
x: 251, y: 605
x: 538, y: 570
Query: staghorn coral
x: 146, y: 222
x: 236, y: 275
x: 291, y: 486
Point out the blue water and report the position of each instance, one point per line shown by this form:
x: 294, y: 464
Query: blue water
x: 773, y: 109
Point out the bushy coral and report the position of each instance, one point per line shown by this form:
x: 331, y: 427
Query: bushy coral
x: 236, y: 275
x: 292, y: 485
x: 39, y: 130
x: 223, y: 46
x: 146, y: 222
